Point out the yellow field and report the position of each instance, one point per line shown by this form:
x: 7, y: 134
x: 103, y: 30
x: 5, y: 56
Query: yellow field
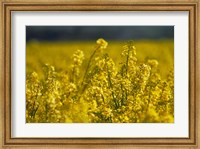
x: 79, y: 82
x: 58, y: 54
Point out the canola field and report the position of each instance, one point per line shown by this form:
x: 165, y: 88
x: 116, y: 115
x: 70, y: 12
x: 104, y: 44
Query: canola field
x: 100, y: 81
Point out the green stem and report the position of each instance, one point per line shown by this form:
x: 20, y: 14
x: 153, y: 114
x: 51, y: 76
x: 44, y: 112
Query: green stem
x: 87, y: 68
x: 127, y: 59
x: 111, y: 87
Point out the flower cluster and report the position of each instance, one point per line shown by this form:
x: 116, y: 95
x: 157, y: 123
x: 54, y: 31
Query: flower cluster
x: 102, y: 91
x: 102, y: 43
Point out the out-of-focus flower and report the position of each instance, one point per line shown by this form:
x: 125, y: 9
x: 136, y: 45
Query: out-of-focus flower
x: 102, y: 43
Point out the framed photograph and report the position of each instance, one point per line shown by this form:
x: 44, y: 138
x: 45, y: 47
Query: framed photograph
x: 100, y: 74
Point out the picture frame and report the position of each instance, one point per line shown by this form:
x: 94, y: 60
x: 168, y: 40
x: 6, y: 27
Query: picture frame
x: 7, y: 7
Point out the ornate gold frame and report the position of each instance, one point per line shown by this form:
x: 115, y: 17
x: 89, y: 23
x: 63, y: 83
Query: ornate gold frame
x: 192, y: 6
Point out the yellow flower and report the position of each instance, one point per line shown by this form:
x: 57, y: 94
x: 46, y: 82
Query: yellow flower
x: 106, y: 92
x: 102, y: 43
x: 153, y: 63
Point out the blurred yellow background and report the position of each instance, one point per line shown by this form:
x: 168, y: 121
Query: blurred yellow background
x: 58, y: 54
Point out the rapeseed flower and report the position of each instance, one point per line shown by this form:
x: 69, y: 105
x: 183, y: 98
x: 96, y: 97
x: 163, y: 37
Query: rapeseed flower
x: 102, y: 43
x: 98, y: 90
